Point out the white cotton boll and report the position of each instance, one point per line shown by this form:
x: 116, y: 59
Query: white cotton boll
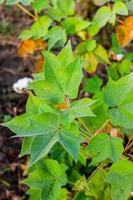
x: 22, y: 84
x: 132, y: 194
x: 119, y: 56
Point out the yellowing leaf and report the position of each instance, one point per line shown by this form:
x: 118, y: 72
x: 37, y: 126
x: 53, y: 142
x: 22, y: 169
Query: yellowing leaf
x: 83, y: 35
x: 30, y: 46
x: 39, y: 63
x: 90, y: 63
x: 124, y: 32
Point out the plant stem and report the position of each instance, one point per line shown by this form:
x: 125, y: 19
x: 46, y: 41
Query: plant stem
x: 128, y: 146
x: 85, y: 132
x: 97, y: 170
x: 102, y: 127
x: 93, y: 174
x: 26, y: 11
x: 85, y: 127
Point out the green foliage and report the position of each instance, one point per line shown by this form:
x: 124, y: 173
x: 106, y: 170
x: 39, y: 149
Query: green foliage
x: 42, y: 120
x: 56, y: 36
x: 120, y: 178
x: 61, y: 9
x: 49, y: 177
x: 12, y: 2
x: 38, y: 30
x: 73, y: 25
x: 92, y: 85
x: 82, y: 96
x: 118, y: 97
x: 103, y: 146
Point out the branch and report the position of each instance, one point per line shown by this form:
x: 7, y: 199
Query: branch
x: 26, y: 11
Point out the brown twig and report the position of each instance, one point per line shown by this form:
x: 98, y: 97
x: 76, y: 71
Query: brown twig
x: 26, y: 11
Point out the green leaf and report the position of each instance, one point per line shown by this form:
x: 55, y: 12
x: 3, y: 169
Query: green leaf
x: 118, y: 96
x: 47, y: 90
x: 39, y: 29
x: 96, y: 186
x: 12, y: 2
x: 73, y: 79
x: 95, y: 123
x: 94, y: 28
x: 124, y: 67
x: 61, y: 9
x: 26, y: 146
x: 63, y: 194
x: 87, y: 46
x: 65, y: 57
x: 41, y: 145
x: 78, y: 109
x: 70, y: 139
x: 81, y: 196
x: 34, y: 193
x: 103, y: 146
x: 81, y: 108
x: 42, y: 118
x: 120, y: 8
x: 120, y: 178
x: 71, y: 74
x: 25, y: 35
x: 93, y: 85
x: 49, y: 177
x: 56, y: 37
x: 103, y: 15
x: 101, y: 54
x: 75, y: 24
x: 39, y: 5
x: 36, y: 105
x: 100, y: 2
x: 31, y: 125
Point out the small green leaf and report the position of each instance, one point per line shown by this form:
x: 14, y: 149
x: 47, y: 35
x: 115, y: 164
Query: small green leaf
x: 12, y: 2
x: 120, y: 8
x: 100, y: 2
x: 26, y: 34
x: 26, y: 146
x: 93, y: 85
x: 81, y: 108
x: 56, y: 37
x: 103, y: 146
x: 41, y: 145
x: 103, y: 15
x: 101, y: 54
x: 31, y: 125
x: 96, y: 186
x: 39, y: 29
x: 70, y: 139
x: 119, y: 98
x: 39, y: 5
x: 36, y: 105
x: 61, y: 9
x: 65, y: 57
x: 75, y: 24
x: 87, y: 46
x: 120, y: 177
x: 49, y: 177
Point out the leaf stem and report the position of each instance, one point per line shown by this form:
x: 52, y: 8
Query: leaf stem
x: 97, y: 170
x: 26, y: 11
x: 128, y: 146
x: 100, y: 129
x: 85, y: 127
